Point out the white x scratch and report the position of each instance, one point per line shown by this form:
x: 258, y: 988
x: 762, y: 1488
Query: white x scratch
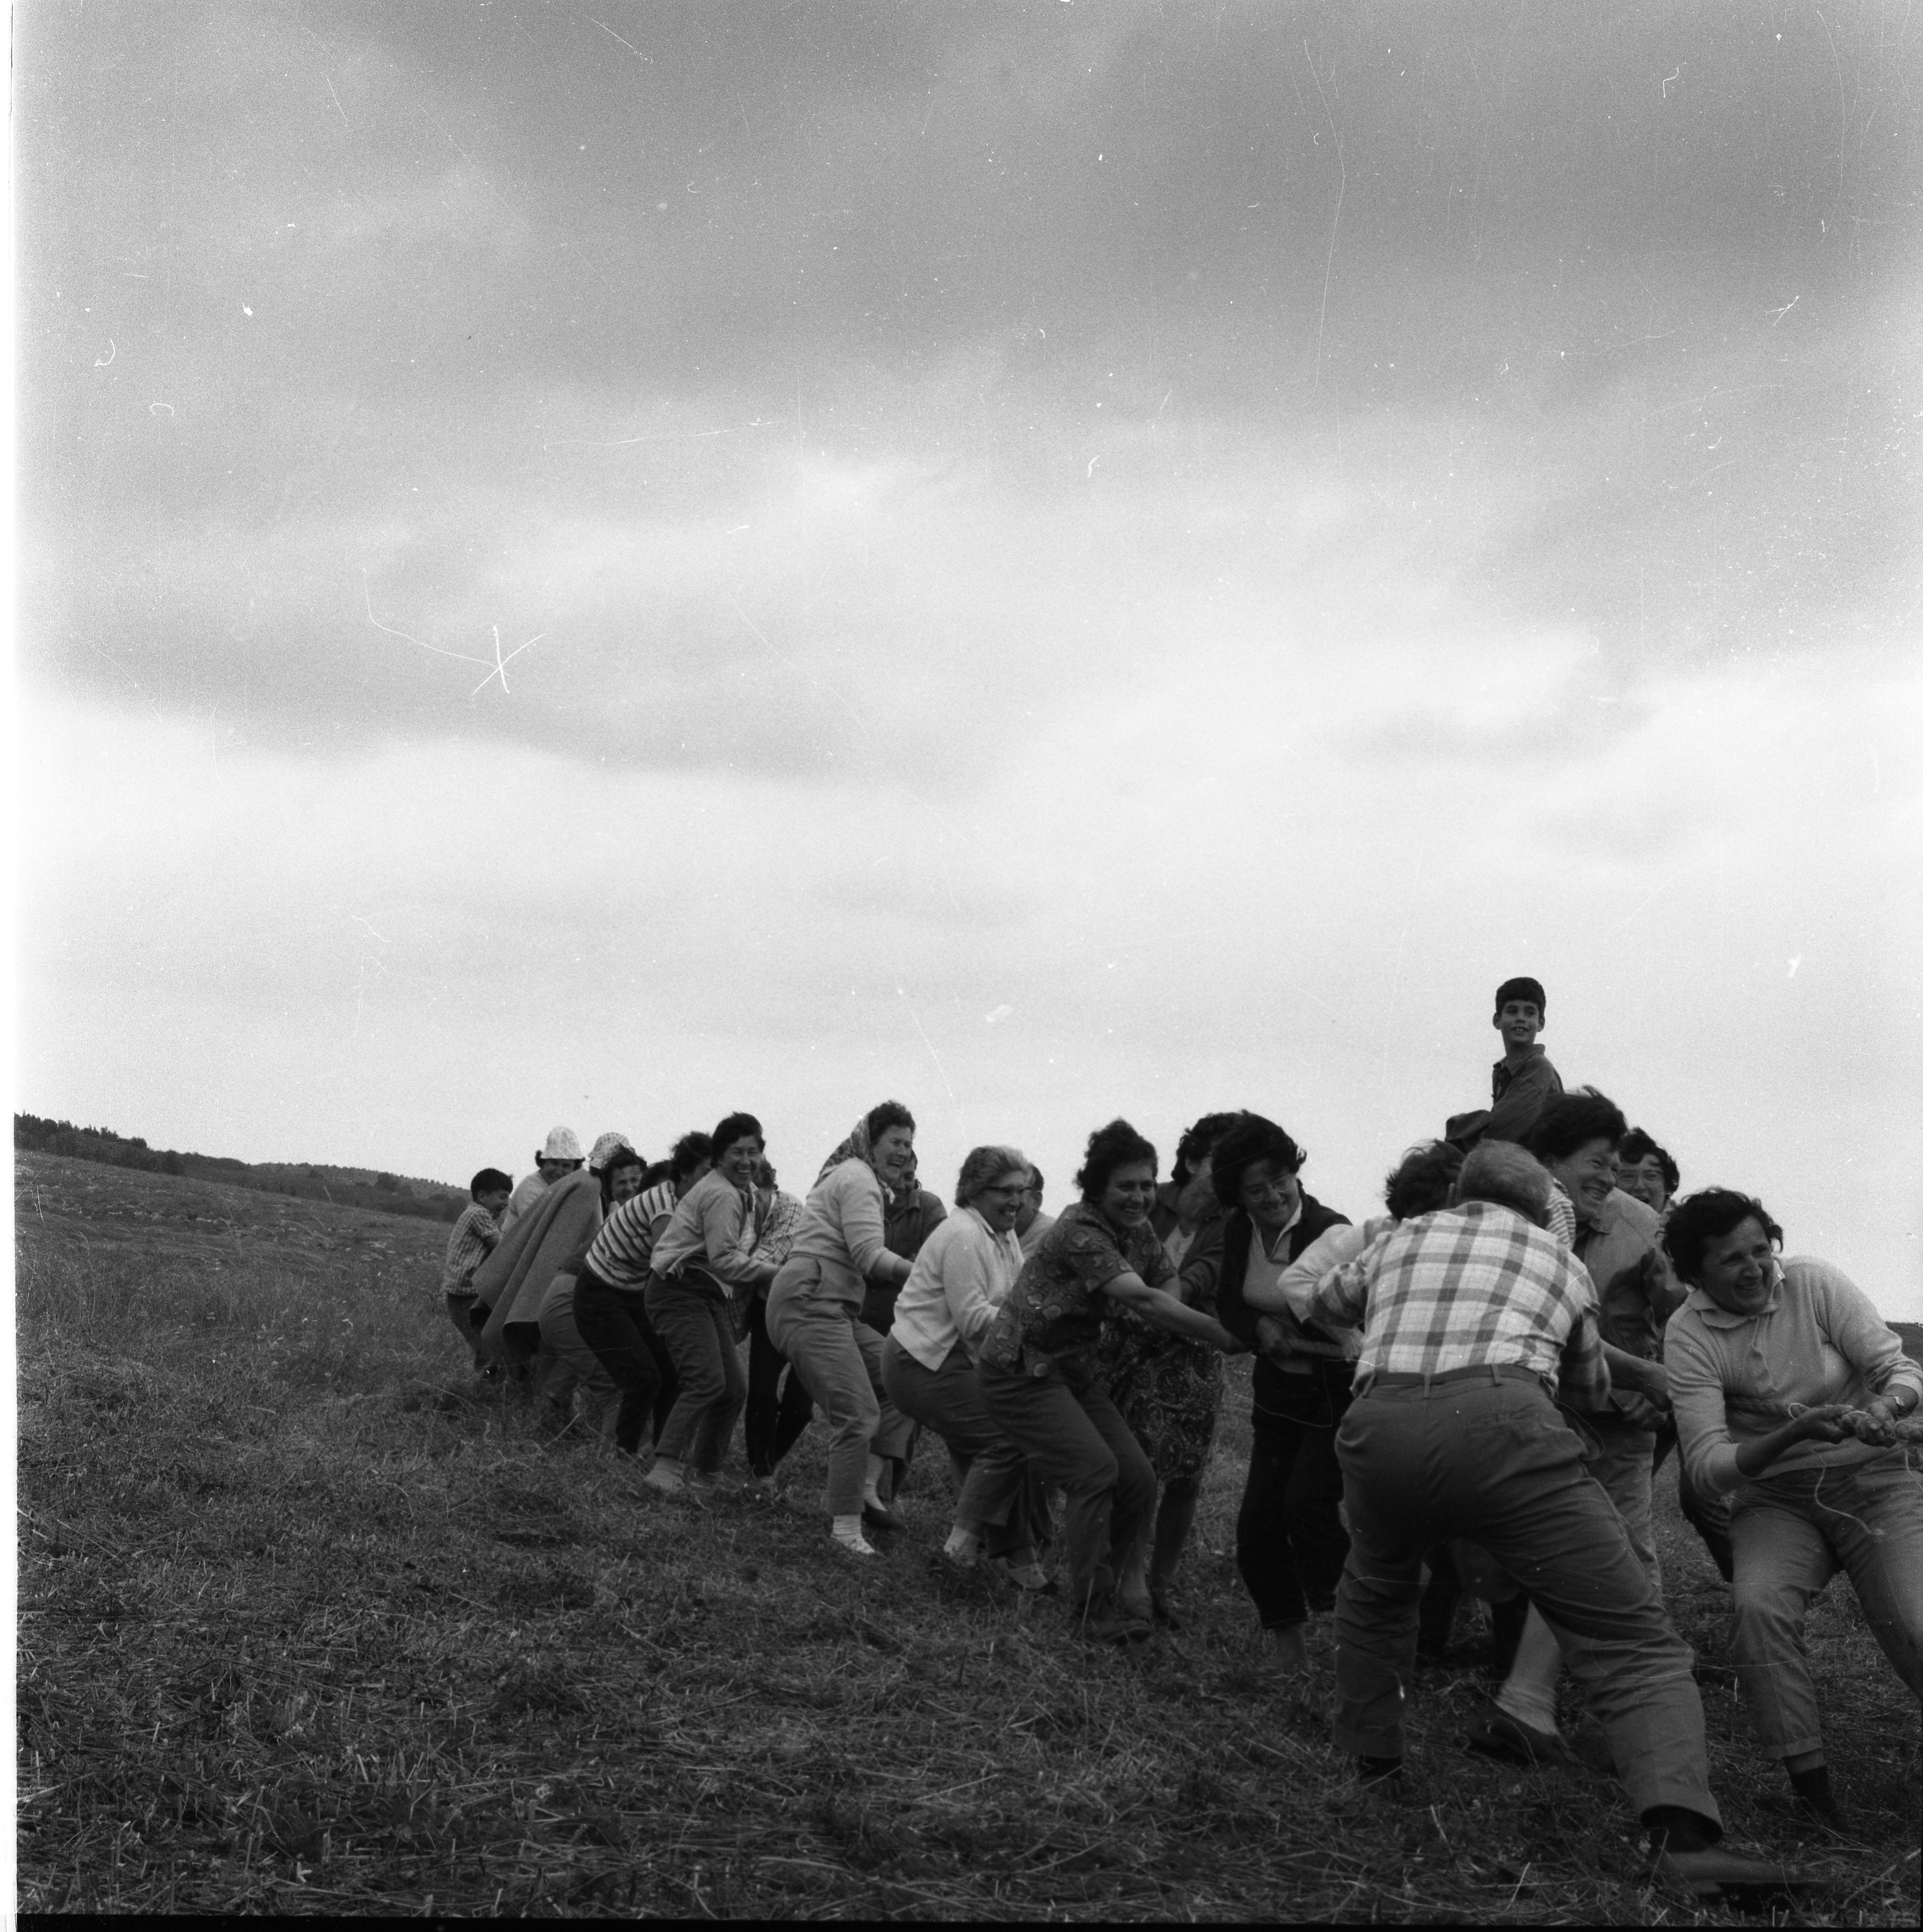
x: 498, y: 669
x: 501, y: 664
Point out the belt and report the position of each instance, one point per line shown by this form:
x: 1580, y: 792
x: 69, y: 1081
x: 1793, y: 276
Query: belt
x: 1488, y: 1371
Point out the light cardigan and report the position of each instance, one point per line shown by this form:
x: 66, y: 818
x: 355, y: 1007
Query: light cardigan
x: 960, y: 1278
x: 1332, y: 1248
x: 713, y: 1228
x: 843, y: 1230
x: 1734, y: 1378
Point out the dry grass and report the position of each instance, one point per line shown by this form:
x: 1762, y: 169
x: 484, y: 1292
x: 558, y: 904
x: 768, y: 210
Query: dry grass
x: 306, y: 1627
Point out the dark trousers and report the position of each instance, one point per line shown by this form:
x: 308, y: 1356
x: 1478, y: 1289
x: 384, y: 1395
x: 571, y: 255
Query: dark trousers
x: 614, y: 1324
x: 776, y: 1413
x: 1290, y: 1545
x: 1493, y: 1462
x: 698, y: 1327
x: 992, y: 1482
x: 1074, y: 1437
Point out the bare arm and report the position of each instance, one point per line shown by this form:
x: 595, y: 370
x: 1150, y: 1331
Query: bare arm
x: 1628, y: 1371
x: 1158, y: 1306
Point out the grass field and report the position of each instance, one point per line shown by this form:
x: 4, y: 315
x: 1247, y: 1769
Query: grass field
x: 306, y: 1625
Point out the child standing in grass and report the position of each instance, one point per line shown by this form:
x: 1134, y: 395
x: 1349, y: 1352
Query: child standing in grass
x: 475, y: 1236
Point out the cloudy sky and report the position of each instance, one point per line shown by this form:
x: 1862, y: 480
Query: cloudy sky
x: 606, y: 563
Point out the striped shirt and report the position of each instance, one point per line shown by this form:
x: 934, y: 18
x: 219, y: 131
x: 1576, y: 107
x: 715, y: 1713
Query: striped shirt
x: 474, y: 1238
x: 623, y: 1250
x: 1561, y: 1215
x: 659, y: 1200
x: 1469, y: 1287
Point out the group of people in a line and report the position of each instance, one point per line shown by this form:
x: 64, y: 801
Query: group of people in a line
x: 1470, y: 1391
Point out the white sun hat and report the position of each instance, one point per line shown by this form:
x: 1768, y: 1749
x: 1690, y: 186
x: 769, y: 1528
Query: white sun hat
x: 562, y: 1145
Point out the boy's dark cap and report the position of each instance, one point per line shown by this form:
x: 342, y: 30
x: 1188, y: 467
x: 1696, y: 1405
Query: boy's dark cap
x: 1525, y: 988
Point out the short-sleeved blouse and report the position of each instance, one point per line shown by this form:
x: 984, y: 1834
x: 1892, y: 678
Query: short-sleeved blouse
x: 1056, y: 1308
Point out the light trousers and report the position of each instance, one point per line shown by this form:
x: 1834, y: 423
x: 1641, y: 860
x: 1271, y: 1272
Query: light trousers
x: 839, y: 1362
x: 1792, y: 1533
x: 599, y: 1397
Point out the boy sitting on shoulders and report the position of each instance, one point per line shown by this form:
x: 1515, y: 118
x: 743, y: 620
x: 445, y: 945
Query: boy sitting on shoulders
x: 1523, y: 1082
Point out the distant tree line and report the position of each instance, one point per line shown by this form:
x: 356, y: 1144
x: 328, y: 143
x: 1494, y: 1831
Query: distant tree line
x: 388, y: 1193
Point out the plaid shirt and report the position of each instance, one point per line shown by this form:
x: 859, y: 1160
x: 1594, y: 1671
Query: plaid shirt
x: 778, y: 1223
x: 474, y: 1238
x: 1470, y: 1286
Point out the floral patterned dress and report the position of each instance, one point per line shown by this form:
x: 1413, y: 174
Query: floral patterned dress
x: 1168, y: 1388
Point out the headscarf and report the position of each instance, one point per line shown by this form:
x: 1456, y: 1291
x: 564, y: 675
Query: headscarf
x: 855, y: 1148
x: 605, y: 1147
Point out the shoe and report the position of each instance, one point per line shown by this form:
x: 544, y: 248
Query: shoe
x: 1823, y: 1808
x: 1373, y: 1773
x: 667, y: 1483
x: 1162, y: 1607
x: 1712, y: 1872
x: 1111, y: 1626
x: 860, y: 1547
x: 1515, y: 1742
x: 1287, y: 1652
x: 1029, y: 1576
x: 1138, y: 1610
x: 949, y: 1563
x: 879, y: 1515
x: 1812, y: 1794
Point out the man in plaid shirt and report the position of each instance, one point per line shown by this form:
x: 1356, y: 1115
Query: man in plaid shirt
x: 1473, y: 1316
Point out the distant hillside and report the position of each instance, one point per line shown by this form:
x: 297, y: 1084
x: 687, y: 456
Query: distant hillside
x: 346, y: 1186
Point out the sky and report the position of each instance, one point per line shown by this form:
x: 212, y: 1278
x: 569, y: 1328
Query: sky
x: 605, y: 564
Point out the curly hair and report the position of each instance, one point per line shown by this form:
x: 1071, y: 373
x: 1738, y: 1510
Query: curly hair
x: 620, y: 1159
x: 1706, y: 1216
x: 1116, y: 1145
x: 1253, y: 1140
x: 982, y: 1166
x: 1200, y: 1141
x: 690, y: 1151
x: 1639, y: 1147
x: 1572, y: 1120
x: 890, y: 1114
x: 1421, y: 1182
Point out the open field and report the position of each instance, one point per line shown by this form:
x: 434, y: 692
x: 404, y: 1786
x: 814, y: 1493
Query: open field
x: 307, y: 1625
